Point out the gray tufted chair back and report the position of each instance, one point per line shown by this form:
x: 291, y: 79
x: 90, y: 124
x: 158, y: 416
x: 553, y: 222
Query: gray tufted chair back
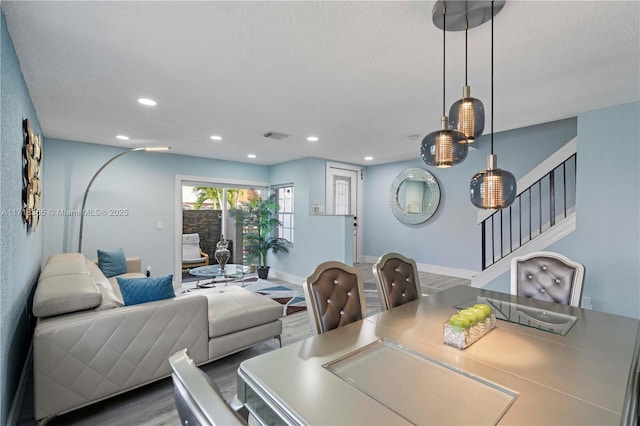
x: 548, y: 276
x: 397, y: 280
x: 335, y: 296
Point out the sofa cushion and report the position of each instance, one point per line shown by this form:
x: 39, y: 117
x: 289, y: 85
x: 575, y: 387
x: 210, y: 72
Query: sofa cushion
x: 109, y: 297
x: 65, y: 285
x: 61, y: 294
x: 75, y: 266
x: 65, y: 264
x: 109, y: 300
x: 65, y: 258
x: 142, y: 290
x: 235, y: 308
x: 112, y: 262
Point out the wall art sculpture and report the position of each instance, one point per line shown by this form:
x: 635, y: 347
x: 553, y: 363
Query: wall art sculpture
x: 32, y: 192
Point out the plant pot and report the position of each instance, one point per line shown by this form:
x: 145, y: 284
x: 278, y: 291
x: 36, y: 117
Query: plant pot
x: 263, y: 272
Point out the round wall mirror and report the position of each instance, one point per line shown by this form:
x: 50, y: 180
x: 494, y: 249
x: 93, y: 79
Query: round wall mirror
x: 414, y: 196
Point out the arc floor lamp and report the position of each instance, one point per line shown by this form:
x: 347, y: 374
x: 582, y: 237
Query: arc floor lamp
x: 86, y: 191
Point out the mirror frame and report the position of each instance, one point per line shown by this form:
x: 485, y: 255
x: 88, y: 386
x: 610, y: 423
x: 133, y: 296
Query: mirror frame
x: 432, y: 186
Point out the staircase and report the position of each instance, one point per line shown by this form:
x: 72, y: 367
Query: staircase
x: 543, y: 212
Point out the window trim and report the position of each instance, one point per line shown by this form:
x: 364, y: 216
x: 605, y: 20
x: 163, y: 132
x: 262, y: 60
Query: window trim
x: 290, y: 230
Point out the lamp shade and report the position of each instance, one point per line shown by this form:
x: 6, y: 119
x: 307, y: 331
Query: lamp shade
x: 445, y: 147
x: 493, y: 188
x: 467, y: 115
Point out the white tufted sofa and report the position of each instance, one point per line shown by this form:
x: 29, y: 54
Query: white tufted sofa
x: 88, y: 347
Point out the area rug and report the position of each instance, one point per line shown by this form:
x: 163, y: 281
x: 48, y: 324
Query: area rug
x: 284, y: 296
x: 291, y: 300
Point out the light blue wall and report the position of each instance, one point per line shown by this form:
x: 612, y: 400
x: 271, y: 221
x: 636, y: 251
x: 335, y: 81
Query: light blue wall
x: 607, y: 238
x: 451, y: 238
x: 317, y: 238
x: 20, y: 253
x: 607, y: 235
x: 141, y: 182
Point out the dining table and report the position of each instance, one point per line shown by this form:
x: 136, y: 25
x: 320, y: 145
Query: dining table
x: 540, y: 363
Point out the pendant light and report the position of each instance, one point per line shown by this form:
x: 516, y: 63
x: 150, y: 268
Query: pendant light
x: 467, y: 114
x: 492, y: 188
x: 445, y: 147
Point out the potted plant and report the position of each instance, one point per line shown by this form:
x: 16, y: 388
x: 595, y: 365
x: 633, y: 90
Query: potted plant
x: 259, y: 220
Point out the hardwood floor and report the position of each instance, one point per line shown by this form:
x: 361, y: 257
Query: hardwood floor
x: 153, y: 405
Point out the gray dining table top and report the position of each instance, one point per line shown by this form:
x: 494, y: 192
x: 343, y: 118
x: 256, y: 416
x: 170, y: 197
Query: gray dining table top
x: 582, y: 377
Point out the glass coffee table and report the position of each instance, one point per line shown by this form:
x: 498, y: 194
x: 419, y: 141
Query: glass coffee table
x: 230, y: 272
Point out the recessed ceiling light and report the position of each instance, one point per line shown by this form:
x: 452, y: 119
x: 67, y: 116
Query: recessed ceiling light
x: 122, y: 137
x: 216, y: 138
x: 148, y: 102
x: 312, y: 139
x: 251, y: 155
x: 368, y: 158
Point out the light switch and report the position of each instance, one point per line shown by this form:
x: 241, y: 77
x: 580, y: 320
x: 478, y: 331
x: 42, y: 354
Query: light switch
x: 160, y: 225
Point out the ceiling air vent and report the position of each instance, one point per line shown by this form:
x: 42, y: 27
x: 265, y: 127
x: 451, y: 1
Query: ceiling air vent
x: 275, y: 135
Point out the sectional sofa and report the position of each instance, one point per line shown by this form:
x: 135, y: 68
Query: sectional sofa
x: 88, y: 345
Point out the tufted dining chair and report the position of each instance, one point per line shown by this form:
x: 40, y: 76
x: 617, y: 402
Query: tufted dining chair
x: 548, y: 276
x: 397, y: 279
x: 334, y: 293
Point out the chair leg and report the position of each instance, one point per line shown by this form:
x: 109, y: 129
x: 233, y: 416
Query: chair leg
x: 279, y: 339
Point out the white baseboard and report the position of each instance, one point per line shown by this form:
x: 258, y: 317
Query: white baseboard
x: 290, y: 278
x: 435, y: 269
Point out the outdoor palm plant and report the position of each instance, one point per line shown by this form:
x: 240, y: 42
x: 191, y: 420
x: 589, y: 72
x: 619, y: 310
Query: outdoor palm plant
x: 259, y: 220
x: 205, y: 193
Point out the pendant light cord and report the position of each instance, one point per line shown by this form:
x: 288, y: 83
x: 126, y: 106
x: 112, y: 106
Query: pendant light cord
x: 466, y: 29
x: 444, y: 56
x: 492, y: 16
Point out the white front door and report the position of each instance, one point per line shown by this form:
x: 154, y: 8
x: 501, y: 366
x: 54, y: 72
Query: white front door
x: 344, y: 197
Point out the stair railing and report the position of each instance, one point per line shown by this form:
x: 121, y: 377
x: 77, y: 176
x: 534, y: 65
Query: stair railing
x: 536, y: 209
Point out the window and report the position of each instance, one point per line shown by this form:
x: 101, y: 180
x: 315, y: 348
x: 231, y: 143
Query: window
x: 285, y: 215
x: 342, y: 194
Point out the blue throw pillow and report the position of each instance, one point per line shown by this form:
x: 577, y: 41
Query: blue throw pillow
x: 112, y: 262
x: 142, y: 290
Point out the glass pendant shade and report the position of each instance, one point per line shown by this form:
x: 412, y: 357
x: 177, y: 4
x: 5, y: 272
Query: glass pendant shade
x: 445, y: 147
x: 493, y: 188
x: 467, y: 115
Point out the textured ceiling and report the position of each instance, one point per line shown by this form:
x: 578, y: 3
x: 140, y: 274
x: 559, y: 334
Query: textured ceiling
x: 362, y: 76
